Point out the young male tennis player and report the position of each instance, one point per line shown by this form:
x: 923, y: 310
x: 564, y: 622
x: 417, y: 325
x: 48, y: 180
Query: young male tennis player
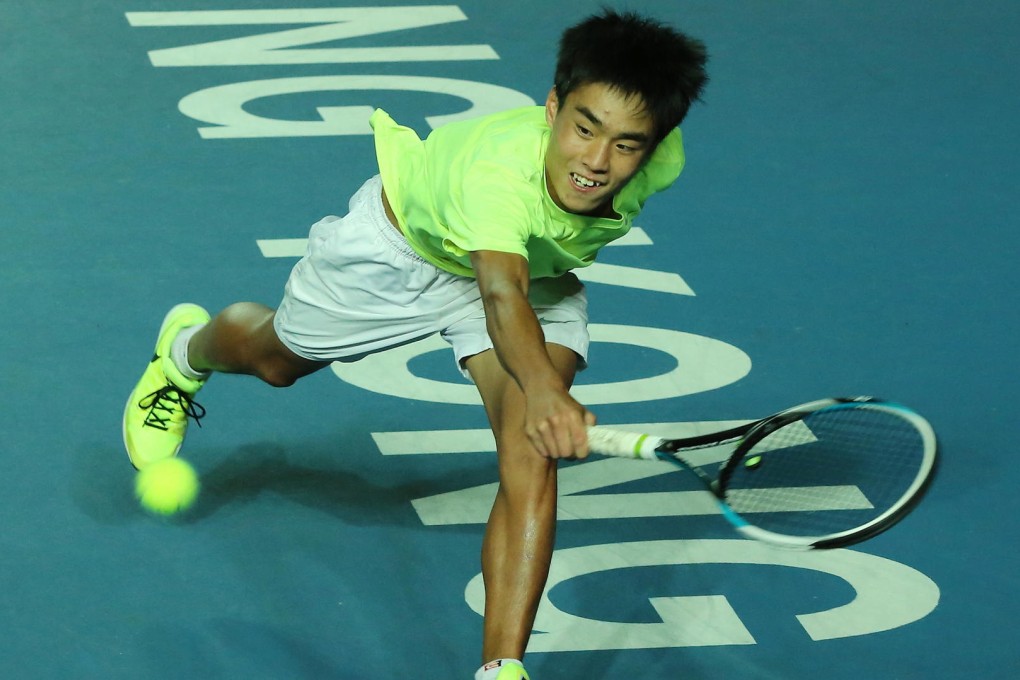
x: 471, y: 234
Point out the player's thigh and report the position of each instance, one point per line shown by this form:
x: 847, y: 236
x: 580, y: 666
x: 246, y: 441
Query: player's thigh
x: 502, y: 396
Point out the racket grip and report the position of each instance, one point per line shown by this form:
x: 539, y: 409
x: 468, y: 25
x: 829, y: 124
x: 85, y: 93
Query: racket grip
x: 622, y: 444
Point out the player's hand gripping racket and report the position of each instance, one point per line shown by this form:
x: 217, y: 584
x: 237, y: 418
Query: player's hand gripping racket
x: 821, y: 475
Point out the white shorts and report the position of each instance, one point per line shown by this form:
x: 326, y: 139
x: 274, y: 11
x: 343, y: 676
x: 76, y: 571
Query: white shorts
x: 360, y: 289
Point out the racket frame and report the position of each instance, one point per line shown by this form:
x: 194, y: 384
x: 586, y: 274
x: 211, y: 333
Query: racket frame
x: 608, y: 441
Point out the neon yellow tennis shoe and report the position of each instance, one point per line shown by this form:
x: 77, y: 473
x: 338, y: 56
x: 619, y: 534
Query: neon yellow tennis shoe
x: 157, y: 412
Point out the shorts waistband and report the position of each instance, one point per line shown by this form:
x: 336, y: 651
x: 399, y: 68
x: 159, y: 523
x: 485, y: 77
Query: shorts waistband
x: 393, y: 237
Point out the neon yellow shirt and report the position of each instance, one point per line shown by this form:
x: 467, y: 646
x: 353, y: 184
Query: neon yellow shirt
x: 480, y: 185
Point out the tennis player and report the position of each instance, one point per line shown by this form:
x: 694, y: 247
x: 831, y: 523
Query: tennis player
x: 472, y: 234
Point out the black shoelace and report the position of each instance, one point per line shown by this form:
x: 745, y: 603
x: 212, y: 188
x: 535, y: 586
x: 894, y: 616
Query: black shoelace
x: 165, y: 401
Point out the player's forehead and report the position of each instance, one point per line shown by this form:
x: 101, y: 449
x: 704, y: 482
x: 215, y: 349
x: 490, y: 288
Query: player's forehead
x: 610, y: 108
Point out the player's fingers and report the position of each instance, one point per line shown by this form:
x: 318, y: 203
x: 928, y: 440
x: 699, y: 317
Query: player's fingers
x: 580, y: 434
x: 552, y: 438
x: 537, y: 436
x: 555, y: 438
x: 563, y: 435
x: 567, y: 436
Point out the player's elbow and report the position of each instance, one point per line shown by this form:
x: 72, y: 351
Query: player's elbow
x: 500, y: 276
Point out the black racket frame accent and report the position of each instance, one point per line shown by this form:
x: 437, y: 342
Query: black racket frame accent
x: 749, y: 434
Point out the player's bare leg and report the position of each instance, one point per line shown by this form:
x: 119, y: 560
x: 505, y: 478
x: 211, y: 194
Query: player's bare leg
x: 241, y: 339
x: 519, y: 537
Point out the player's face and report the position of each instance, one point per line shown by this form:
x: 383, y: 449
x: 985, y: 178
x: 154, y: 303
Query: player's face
x: 599, y: 139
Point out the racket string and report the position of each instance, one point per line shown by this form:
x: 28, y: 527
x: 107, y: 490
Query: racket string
x: 833, y: 471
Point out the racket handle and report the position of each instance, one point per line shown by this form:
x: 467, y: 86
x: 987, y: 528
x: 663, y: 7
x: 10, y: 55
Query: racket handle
x: 622, y: 444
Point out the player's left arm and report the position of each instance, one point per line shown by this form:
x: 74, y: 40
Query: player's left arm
x: 554, y: 421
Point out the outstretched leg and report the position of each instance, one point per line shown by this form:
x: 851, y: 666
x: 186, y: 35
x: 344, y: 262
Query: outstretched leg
x: 241, y: 339
x: 519, y: 537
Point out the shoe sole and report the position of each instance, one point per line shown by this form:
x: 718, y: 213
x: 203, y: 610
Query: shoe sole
x: 131, y: 397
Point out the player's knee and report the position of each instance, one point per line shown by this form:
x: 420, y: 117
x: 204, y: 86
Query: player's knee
x: 523, y: 471
x: 512, y: 444
x: 277, y: 379
x: 277, y: 373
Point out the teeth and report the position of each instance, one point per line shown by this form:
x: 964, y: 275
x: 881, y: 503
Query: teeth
x: 584, y: 182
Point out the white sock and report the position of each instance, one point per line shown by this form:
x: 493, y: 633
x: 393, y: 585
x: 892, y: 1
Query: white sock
x: 490, y: 670
x: 179, y: 353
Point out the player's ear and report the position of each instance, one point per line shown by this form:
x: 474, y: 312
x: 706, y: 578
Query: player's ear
x: 552, y: 106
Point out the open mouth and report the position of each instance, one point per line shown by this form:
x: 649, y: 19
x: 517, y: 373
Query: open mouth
x: 582, y: 182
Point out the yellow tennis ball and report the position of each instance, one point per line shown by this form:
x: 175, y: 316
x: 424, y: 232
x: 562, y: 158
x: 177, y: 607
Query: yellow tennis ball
x: 167, y: 486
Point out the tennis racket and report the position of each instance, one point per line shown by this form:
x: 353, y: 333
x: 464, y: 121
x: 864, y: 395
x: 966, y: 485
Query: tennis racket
x: 825, y: 474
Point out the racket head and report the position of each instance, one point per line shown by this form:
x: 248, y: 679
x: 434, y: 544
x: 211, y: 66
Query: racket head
x: 828, y: 473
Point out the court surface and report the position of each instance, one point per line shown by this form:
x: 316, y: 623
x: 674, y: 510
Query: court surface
x: 846, y: 224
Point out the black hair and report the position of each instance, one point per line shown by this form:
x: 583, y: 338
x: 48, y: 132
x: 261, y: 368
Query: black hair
x: 637, y: 56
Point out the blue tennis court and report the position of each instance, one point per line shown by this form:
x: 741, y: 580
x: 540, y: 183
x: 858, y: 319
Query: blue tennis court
x: 845, y: 224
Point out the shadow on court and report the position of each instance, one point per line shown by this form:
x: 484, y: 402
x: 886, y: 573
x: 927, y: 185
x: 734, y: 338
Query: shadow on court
x: 102, y: 485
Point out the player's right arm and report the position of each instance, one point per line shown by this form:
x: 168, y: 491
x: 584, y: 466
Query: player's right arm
x: 554, y: 421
